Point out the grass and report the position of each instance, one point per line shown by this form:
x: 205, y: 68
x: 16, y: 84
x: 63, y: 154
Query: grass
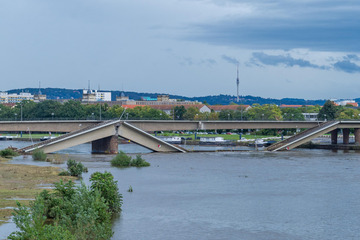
x: 225, y: 136
x: 33, y: 136
x: 22, y: 182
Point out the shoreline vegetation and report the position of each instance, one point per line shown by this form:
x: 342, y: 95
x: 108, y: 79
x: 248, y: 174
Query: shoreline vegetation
x: 46, y: 203
x: 22, y: 183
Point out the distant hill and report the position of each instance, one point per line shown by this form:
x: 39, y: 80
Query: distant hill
x: 61, y: 93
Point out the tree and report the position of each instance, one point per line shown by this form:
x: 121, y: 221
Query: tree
x: 348, y: 113
x: 329, y: 111
x: 191, y: 113
x: 264, y: 112
x: 292, y: 114
x: 178, y: 112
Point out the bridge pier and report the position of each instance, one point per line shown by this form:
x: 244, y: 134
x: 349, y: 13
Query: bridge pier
x: 334, y: 136
x: 346, y: 135
x: 107, y: 145
x: 357, y: 136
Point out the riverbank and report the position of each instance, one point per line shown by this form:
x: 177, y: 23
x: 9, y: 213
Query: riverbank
x: 22, y: 183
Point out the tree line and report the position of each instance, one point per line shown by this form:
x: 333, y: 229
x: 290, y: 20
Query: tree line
x: 75, y: 110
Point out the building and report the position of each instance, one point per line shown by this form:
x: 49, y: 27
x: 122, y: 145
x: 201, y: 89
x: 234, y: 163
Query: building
x: 15, y: 98
x: 310, y: 116
x: 148, y: 101
x: 347, y: 102
x: 168, y: 108
x: 95, y: 96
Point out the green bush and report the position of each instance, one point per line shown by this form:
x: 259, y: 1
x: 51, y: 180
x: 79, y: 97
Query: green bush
x: 139, y: 162
x: 105, y: 184
x: 121, y: 160
x: 75, y: 168
x: 8, y: 153
x: 70, y: 212
x: 39, y: 155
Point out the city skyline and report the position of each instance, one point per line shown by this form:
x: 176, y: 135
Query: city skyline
x: 298, y: 49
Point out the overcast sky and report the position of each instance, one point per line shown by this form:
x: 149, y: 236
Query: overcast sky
x: 298, y: 48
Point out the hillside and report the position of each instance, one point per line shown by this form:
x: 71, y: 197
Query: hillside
x: 61, y: 93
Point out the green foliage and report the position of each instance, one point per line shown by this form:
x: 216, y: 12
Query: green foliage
x: 74, y: 169
x: 8, y: 153
x: 139, y: 162
x: 121, y: 160
x: 292, y: 114
x: 178, y: 112
x: 346, y: 113
x: 107, y: 187
x: 70, y: 212
x: 329, y: 111
x: 264, y: 112
x: 39, y: 155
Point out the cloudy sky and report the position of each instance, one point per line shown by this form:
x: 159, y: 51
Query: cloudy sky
x: 298, y: 48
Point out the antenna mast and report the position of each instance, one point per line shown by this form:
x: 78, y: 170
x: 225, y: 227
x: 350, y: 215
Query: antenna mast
x: 237, y: 82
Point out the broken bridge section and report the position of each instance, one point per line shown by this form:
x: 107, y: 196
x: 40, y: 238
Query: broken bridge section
x: 304, y: 136
x: 104, y: 138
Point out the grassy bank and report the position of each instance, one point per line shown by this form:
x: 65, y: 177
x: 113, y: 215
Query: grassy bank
x: 23, y: 183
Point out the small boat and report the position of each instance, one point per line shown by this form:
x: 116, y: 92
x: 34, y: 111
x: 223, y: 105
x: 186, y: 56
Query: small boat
x: 213, y: 141
x: 46, y: 138
x: 258, y: 143
x: 171, y: 139
x: 5, y: 138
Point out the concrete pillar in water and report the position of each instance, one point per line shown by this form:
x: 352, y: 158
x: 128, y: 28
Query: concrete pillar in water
x: 357, y: 135
x: 346, y: 134
x: 107, y: 145
x: 334, y: 136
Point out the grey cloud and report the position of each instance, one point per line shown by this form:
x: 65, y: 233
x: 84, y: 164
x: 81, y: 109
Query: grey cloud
x: 287, y: 60
x: 352, y: 57
x: 230, y: 59
x: 347, y: 66
x: 319, y: 25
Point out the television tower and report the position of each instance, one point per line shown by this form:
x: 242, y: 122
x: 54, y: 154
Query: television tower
x: 237, y: 83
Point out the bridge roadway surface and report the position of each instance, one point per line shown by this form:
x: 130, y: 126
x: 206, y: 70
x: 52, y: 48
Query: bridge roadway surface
x: 94, y: 131
x: 155, y: 125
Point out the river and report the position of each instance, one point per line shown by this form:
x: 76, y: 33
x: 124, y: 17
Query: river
x: 248, y: 195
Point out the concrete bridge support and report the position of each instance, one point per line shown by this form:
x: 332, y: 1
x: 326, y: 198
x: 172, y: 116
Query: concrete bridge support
x: 334, y: 136
x: 346, y: 134
x: 108, y: 145
x: 357, y: 136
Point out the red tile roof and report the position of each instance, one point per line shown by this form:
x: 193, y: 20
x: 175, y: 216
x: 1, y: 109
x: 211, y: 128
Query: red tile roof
x: 353, y: 104
x: 218, y: 108
x: 294, y: 106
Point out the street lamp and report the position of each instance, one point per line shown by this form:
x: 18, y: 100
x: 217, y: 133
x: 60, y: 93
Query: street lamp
x: 52, y: 116
x: 92, y: 116
x: 262, y: 116
x: 15, y: 116
x: 228, y: 116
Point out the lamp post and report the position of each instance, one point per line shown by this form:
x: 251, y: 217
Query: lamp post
x: 100, y: 111
x: 92, y: 116
x: 15, y: 116
x: 228, y: 116
x: 52, y: 116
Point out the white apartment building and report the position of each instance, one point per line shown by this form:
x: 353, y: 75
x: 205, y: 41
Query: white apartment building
x: 94, y: 95
x: 15, y: 98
